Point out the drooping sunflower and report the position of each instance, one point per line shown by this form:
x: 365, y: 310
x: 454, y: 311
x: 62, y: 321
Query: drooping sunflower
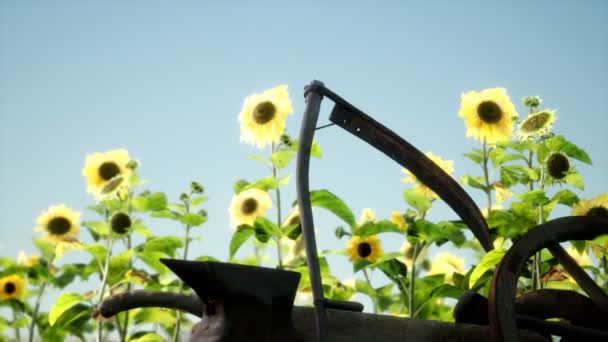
x: 536, y: 124
x: 488, y: 114
x: 557, y: 165
x: 594, y: 207
x: 368, y: 248
x: 262, y: 117
x: 445, y: 165
x: 446, y: 263
x: 59, y: 222
x: 248, y: 205
x: 12, y: 287
x: 105, y: 172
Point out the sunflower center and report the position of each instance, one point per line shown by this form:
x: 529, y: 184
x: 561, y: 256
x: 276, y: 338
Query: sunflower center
x: 108, y: 170
x: 364, y: 249
x: 535, y: 122
x: 59, y: 225
x: 120, y: 223
x: 598, y: 211
x: 9, y: 288
x: 264, y: 112
x: 489, y: 112
x: 249, y: 206
x: 557, y: 165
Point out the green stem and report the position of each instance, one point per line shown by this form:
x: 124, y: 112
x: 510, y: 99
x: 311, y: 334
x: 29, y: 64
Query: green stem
x: 104, y: 280
x: 15, y: 317
x: 181, y: 283
x: 374, y: 300
x: 125, y: 328
x: 412, y: 286
x: 36, y: 309
x: 486, y: 175
x: 279, y: 219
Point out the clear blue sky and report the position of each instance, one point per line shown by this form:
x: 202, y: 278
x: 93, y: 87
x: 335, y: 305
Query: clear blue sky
x: 166, y: 80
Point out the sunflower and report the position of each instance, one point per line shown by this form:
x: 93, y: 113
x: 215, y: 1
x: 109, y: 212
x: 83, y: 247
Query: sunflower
x: 407, y: 250
x: 595, y: 207
x: 368, y: 248
x: 445, y: 165
x: 581, y: 259
x: 488, y: 115
x: 367, y: 215
x: 59, y: 222
x: 398, y: 220
x: 12, y: 287
x: 248, y: 205
x: 536, y: 124
x: 105, y: 172
x: 446, y: 263
x: 262, y: 117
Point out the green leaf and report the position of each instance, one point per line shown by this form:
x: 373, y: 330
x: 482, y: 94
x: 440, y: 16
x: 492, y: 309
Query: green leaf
x: 417, y: 200
x: 327, y: 200
x: 393, y: 268
x: 475, y: 157
x: 155, y: 315
x: 534, y: 197
x: 240, y: 185
x: 150, y: 202
x: 140, y: 228
x: 284, y: 180
x: 575, y: 180
x: 239, y: 237
x: 166, y: 213
x: 65, y: 301
x: 488, y: 261
x: 45, y: 247
x: 261, y: 160
x: 147, y: 337
x: 370, y: 228
x: 97, y: 229
x: 194, y: 202
x: 264, y: 184
x: 152, y: 259
x: 447, y: 291
x: 165, y: 244
x: 475, y: 182
x: 315, y: 150
x: 364, y: 288
x: 559, y: 143
x: 263, y: 224
x: 119, y: 264
x: 360, y: 264
x: 438, y: 233
x: 281, y: 159
x: 97, y: 250
x: 193, y: 220
x: 565, y: 197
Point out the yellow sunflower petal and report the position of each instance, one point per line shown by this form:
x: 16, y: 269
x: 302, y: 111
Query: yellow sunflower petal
x: 262, y: 118
x: 596, y: 206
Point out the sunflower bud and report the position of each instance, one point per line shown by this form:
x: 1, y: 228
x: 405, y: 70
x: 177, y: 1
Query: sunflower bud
x: 286, y: 140
x: 203, y: 212
x: 120, y: 223
x: 340, y: 232
x: 532, y: 101
x: 196, y: 187
x: 558, y: 165
x: 183, y: 197
x: 132, y: 164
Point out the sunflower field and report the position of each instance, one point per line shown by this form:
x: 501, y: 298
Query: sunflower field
x: 526, y: 169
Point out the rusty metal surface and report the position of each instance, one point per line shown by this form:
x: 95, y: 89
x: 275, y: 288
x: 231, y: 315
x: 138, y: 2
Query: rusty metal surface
x: 504, y: 283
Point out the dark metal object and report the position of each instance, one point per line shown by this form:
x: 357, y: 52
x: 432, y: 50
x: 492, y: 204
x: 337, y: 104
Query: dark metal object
x: 504, y: 283
x: 147, y: 299
x: 364, y: 127
x: 257, y: 301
